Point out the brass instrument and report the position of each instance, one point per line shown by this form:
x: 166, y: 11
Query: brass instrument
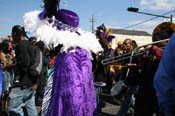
x: 122, y: 57
x: 163, y: 31
x: 159, y: 37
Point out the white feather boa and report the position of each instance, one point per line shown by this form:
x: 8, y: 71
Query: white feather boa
x: 52, y: 37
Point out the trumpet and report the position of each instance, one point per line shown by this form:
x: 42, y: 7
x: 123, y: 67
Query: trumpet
x: 132, y: 53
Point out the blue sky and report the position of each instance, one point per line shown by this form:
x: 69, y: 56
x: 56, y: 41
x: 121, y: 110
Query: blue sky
x: 112, y: 13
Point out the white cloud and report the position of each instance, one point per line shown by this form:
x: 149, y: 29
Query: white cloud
x: 158, y: 4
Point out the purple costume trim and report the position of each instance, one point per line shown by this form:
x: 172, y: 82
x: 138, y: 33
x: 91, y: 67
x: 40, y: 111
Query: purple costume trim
x: 68, y: 17
x: 73, y: 88
x: 65, y: 20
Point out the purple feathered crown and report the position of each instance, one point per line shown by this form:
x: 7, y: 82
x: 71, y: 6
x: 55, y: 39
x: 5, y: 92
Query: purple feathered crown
x: 103, y: 32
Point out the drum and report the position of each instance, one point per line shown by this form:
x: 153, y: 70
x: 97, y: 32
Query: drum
x: 118, y: 87
x: 163, y: 31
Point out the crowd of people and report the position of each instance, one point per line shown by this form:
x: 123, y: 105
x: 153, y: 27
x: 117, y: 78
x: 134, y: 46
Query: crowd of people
x: 64, y: 70
x: 25, y: 65
x: 131, y: 70
x: 131, y: 77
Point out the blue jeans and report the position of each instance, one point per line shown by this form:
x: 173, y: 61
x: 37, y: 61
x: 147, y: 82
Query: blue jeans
x: 19, y: 98
x: 127, y: 101
x: 98, y: 93
x: 6, y: 80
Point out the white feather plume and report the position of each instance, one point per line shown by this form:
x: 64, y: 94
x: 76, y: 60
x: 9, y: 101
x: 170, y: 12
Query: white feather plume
x: 52, y: 37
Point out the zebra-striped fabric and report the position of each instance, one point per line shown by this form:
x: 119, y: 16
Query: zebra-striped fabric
x: 45, y: 111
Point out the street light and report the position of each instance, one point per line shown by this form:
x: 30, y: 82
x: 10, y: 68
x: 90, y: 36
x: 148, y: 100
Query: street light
x: 132, y: 9
x: 136, y: 10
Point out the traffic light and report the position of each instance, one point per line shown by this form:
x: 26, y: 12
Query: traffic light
x: 132, y: 9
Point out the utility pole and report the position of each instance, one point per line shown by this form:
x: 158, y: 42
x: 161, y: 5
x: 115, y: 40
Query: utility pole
x: 92, y: 20
x: 171, y: 18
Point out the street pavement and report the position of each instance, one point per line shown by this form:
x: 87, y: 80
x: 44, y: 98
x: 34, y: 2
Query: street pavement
x: 110, y: 108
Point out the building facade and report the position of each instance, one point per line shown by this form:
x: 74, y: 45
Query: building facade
x: 141, y: 37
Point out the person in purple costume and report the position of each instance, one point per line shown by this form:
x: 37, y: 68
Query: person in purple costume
x: 70, y: 88
x: 73, y: 92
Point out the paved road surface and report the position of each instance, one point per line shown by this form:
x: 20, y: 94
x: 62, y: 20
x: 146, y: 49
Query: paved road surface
x: 110, y: 108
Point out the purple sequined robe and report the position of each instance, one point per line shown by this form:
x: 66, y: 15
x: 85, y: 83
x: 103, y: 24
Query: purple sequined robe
x: 73, y: 88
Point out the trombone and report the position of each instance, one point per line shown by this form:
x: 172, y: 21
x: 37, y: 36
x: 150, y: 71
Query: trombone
x: 125, y: 56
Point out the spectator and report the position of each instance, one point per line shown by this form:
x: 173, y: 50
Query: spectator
x: 164, y: 80
x: 129, y: 75
x: 22, y: 92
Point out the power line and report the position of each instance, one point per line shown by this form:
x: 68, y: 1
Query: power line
x: 139, y: 23
x: 148, y: 20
